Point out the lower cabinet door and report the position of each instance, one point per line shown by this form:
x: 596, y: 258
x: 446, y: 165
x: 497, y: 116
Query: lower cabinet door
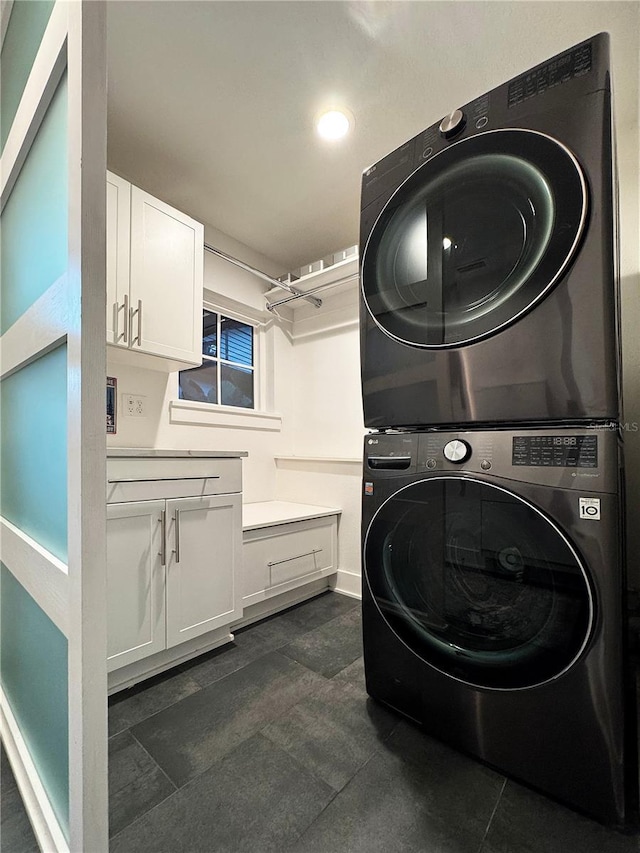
x: 204, y: 586
x: 135, y: 582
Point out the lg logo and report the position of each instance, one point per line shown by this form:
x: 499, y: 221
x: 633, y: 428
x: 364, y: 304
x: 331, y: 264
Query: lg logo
x: 590, y: 508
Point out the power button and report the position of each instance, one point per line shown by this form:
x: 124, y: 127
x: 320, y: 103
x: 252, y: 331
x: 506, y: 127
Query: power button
x: 485, y: 464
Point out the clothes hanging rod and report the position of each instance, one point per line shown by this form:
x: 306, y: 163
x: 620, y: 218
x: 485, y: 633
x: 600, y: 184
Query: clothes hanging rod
x: 309, y: 293
x: 297, y: 294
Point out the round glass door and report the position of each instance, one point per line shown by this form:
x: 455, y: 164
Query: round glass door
x: 474, y: 238
x: 478, y: 583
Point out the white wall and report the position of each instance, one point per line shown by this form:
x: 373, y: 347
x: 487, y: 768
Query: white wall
x: 629, y: 184
x: 328, y: 423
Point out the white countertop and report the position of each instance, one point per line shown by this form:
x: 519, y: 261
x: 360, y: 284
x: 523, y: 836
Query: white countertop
x: 154, y: 452
x: 269, y: 513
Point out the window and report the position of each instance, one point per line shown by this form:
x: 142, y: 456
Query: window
x: 226, y: 376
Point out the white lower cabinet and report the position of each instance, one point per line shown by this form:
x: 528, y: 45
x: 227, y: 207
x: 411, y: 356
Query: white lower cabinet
x: 282, y: 552
x: 174, y: 560
x: 135, y: 587
x: 201, y: 585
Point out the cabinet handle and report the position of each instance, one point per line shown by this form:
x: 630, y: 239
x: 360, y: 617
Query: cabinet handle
x: 163, y: 543
x: 139, y: 322
x: 297, y: 557
x: 125, y: 331
x: 116, y: 311
x: 273, y: 563
x: 162, y: 479
x: 132, y: 314
x: 117, y: 308
x: 176, y: 550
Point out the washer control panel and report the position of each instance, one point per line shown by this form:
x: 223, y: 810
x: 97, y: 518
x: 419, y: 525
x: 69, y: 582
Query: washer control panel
x: 585, y: 460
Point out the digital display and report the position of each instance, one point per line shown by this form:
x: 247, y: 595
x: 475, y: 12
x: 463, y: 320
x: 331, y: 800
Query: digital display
x: 555, y: 451
x: 575, y: 63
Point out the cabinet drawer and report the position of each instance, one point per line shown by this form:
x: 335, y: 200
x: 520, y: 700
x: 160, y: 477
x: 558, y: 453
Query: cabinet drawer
x: 139, y: 479
x: 283, y: 556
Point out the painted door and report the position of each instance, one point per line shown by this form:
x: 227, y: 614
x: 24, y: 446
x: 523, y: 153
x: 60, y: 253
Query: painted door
x: 204, y: 538
x: 167, y: 258
x: 118, y: 254
x: 135, y: 581
x: 52, y: 389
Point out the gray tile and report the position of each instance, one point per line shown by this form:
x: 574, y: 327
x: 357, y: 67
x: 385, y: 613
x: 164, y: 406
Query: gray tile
x: 320, y: 610
x: 333, y: 732
x: 188, y: 737
x: 331, y: 647
x: 267, y: 636
x: 254, y: 800
x: 527, y: 822
x: 8, y: 786
x: 16, y: 834
x: 353, y: 674
x: 249, y: 645
x: 277, y: 631
x: 136, y: 783
x: 440, y: 804
x: 147, y: 698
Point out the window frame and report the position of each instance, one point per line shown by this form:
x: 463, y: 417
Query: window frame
x: 219, y: 361
x: 261, y: 416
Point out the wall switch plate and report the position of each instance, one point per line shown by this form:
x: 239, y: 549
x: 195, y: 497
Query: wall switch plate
x: 134, y: 405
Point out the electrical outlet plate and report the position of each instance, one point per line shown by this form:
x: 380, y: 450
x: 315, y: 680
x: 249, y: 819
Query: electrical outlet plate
x: 134, y: 405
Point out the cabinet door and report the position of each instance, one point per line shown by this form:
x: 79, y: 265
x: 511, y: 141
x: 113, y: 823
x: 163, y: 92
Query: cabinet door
x: 118, y: 233
x: 166, y: 280
x: 204, y: 587
x: 135, y: 582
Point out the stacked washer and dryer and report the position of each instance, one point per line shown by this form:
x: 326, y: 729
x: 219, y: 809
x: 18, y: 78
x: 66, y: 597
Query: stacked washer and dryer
x: 493, y: 530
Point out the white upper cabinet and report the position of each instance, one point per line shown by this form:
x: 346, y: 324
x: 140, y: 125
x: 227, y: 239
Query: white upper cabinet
x: 154, y: 276
x: 118, y: 236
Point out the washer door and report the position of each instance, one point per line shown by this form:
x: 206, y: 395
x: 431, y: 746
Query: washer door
x: 474, y: 238
x: 478, y: 583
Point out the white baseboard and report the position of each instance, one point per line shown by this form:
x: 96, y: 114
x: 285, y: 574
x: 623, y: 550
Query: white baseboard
x: 133, y: 673
x: 347, y: 583
x: 46, y: 828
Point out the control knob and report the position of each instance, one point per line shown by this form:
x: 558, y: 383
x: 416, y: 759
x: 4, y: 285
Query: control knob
x: 457, y: 451
x: 452, y: 124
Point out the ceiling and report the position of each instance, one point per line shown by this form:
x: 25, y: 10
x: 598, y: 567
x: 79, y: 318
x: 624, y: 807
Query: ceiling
x: 211, y: 104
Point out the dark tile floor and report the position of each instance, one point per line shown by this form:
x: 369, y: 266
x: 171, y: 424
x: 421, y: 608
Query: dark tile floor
x: 272, y: 744
x: 16, y: 835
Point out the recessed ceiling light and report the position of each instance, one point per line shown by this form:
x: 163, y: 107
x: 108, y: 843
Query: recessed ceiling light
x: 334, y: 124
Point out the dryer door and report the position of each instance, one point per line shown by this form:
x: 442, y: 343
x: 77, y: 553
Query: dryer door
x: 478, y: 583
x: 474, y: 238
